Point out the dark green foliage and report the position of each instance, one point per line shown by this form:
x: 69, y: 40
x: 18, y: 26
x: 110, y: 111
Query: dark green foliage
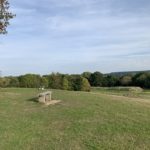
x: 131, y: 73
x: 142, y: 80
x: 110, y: 81
x: 79, y: 83
x: 75, y: 82
x: 96, y: 79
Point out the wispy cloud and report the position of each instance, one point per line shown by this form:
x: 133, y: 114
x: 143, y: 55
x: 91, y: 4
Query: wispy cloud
x: 77, y: 35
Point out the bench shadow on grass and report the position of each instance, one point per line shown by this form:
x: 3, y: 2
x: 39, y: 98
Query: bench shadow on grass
x: 34, y: 99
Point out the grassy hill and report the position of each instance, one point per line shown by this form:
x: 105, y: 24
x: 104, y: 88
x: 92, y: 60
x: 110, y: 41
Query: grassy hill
x: 82, y: 121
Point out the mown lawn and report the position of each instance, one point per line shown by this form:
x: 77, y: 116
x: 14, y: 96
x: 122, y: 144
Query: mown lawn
x: 82, y: 121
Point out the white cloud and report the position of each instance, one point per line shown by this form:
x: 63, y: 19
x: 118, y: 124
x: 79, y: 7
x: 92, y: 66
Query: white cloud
x: 77, y: 35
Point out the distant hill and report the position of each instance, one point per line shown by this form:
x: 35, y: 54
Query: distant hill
x: 119, y: 74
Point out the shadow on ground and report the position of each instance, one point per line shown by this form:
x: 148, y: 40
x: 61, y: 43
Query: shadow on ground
x: 34, y: 99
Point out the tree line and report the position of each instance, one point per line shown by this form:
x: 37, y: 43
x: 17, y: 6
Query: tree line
x: 79, y: 82
x: 97, y: 79
x: 54, y: 81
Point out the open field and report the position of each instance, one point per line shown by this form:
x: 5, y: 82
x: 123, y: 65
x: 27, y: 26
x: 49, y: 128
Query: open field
x: 101, y: 119
x: 132, y: 92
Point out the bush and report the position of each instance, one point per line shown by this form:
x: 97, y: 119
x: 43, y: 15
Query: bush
x: 85, y: 86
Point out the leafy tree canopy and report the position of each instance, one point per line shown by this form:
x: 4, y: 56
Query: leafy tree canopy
x: 5, y: 15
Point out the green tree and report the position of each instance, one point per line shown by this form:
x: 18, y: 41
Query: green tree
x: 44, y: 82
x: 55, y: 81
x: 86, y: 75
x: 4, y: 82
x: 75, y: 82
x: 96, y: 79
x: 142, y: 80
x: 79, y: 83
x: 126, y: 80
x: 5, y: 15
x: 30, y: 81
x: 14, y: 82
x: 110, y: 81
x: 65, y: 83
x: 85, y: 85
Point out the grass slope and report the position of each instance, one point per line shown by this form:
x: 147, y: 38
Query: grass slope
x: 82, y: 121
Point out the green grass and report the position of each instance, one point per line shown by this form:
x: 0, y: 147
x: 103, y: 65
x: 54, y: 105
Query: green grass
x: 123, y: 91
x: 82, y: 121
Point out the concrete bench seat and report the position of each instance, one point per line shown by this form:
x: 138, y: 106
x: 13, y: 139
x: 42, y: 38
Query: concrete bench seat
x: 45, y: 97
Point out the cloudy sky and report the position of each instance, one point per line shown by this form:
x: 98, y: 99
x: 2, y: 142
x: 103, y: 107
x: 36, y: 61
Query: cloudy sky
x: 72, y: 36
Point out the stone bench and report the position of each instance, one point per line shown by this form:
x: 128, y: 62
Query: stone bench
x: 45, y: 97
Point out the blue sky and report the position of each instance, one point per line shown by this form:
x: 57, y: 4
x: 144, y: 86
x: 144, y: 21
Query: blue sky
x: 72, y: 36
